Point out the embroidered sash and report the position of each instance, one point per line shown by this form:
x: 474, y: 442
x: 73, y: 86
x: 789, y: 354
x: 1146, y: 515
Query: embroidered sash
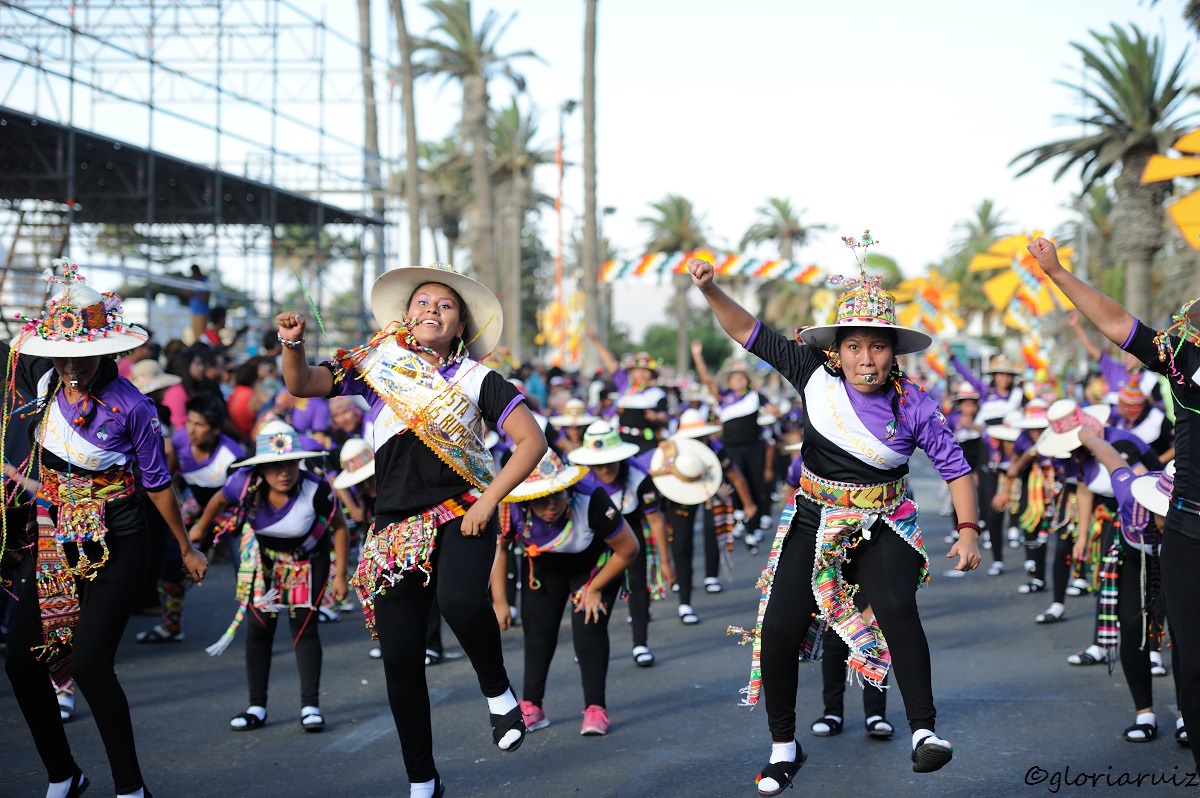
x: 438, y: 412
x: 848, y: 511
x: 402, y: 548
x: 80, y: 500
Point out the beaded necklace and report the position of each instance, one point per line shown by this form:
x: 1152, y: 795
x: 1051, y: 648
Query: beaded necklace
x: 409, y: 342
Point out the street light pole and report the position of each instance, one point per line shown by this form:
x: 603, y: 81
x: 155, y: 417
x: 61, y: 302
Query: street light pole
x: 567, y: 107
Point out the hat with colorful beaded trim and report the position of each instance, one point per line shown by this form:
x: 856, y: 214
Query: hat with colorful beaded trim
x: 391, y: 293
x: 79, y: 321
x: 275, y: 443
x: 549, y: 477
x: 1064, y: 419
x: 865, y: 306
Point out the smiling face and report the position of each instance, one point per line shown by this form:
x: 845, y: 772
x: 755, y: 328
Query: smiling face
x: 867, y: 357
x: 77, y: 373
x: 439, y: 317
x: 550, y: 508
x: 281, y: 477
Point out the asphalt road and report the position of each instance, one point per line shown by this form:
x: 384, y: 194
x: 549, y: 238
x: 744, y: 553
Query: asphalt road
x: 1022, y: 721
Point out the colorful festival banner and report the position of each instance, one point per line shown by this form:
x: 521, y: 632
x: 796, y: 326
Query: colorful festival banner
x: 725, y: 264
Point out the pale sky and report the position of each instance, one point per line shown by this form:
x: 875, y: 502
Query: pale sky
x: 900, y: 117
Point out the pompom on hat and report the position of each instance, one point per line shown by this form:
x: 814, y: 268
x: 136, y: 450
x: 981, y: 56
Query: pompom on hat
x: 358, y: 463
x: 277, y: 442
x: 549, y: 477
x: 1131, y: 396
x: 485, y: 318
x: 602, y: 444
x: 79, y: 321
x: 866, y: 306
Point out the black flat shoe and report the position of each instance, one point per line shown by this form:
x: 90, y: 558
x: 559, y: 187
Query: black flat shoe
x: 929, y: 756
x: 79, y: 785
x: 782, y: 773
x: 503, y: 724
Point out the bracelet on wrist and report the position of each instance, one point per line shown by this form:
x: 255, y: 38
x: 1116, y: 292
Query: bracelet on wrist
x: 291, y: 344
x: 969, y: 525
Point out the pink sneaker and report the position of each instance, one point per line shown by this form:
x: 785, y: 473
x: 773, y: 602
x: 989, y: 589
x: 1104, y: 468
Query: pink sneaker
x: 534, y: 717
x: 595, y: 721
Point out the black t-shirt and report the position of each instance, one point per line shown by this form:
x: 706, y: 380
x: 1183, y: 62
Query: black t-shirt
x: 1180, y: 361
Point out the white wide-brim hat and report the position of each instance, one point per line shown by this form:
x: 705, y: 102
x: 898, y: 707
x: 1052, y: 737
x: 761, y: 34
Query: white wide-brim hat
x: 1064, y: 419
x: 1153, y: 490
x: 358, y: 463
x: 685, y: 471
x: 485, y: 317
x: 550, y: 476
x: 147, y: 376
x: 694, y: 425
x: 1034, y: 417
x: 574, y: 414
x: 275, y: 443
x: 602, y: 444
x: 78, y: 321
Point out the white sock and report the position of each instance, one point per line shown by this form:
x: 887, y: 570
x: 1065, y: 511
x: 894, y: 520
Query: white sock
x: 141, y: 793
x: 780, y: 752
x: 822, y: 722
x: 257, y: 711
x: 1178, y: 723
x: 1143, y: 717
x: 59, y: 789
x: 1097, y: 652
x: 783, y: 752
x: 422, y: 790
x: 1055, y: 609
x: 502, y: 705
x: 927, y: 736
x: 1156, y: 658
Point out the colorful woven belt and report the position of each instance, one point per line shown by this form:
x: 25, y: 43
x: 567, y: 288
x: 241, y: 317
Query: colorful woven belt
x: 829, y: 493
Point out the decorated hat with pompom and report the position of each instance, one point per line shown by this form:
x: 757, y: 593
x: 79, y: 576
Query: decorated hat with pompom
x: 79, y: 321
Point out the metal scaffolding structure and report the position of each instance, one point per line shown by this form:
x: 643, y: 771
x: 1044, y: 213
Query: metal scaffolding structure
x: 207, y: 126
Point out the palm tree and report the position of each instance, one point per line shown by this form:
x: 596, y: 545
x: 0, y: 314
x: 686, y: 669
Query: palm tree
x: 676, y: 227
x: 778, y: 221
x: 984, y: 227
x: 372, y: 171
x: 411, y: 170
x: 591, y: 305
x: 446, y: 187
x: 512, y: 134
x: 1136, y: 101
x: 457, y: 50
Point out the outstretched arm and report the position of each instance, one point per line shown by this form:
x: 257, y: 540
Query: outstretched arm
x: 606, y: 356
x: 1114, y: 321
x: 1093, y: 351
x: 702, y: 373
x: 733, y: 318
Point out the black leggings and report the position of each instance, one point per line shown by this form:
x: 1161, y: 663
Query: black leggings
x: 682, y: 523
x: 635, y: 580
x: 833, y: 680
x: 888, y: 570
x: 303, y: 625
x: 1180, y: 564
x: 461, y: 566
x: 558, y: 577
x: 1135, y: 657
x: 751, y: 460
x: 994, y: 521
x: 105, y: 604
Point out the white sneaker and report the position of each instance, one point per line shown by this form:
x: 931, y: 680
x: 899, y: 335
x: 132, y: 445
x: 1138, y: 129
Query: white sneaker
x: 996, y: 568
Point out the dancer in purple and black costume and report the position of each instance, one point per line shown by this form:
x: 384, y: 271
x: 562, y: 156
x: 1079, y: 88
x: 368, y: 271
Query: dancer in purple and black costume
x: 858, y: 438
x: 435, y: 528
x: 1174, y: 352
x: 642, y: 408
x: 102, y: 457
x: 576, y: 544
x: 292, y: 531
